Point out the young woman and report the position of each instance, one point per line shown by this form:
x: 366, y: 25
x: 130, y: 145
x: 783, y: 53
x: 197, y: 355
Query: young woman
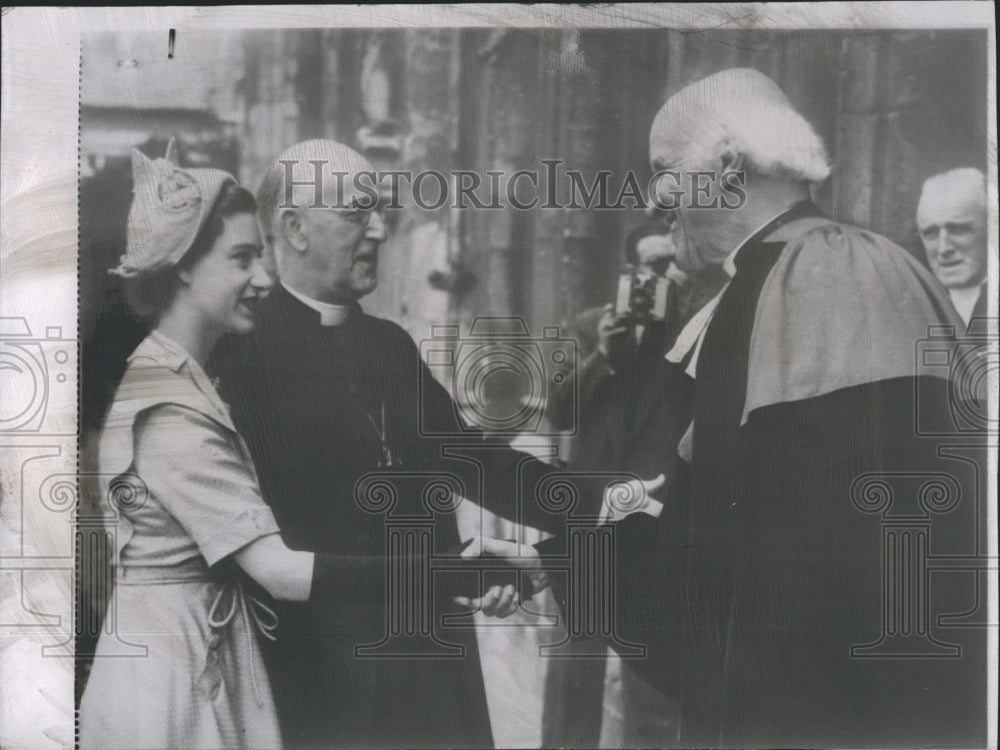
x: 191, y: 523
x: 183, y: 487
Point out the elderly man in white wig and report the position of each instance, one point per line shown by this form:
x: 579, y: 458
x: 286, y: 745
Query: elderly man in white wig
x: 766, y: 591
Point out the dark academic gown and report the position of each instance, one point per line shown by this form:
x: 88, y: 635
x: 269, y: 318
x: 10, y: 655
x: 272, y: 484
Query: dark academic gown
x: 766, y: 566
x: 309, y: 401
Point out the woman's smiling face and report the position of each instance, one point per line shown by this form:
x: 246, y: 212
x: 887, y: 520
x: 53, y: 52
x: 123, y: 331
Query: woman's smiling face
x: 224, y: 285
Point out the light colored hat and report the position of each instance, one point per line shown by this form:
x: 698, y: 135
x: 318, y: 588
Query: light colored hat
x: 170, y: 205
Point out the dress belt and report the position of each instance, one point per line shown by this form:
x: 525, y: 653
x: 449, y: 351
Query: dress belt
x: 230, y: 602
x: 187, y: 572
x: 256, y: 616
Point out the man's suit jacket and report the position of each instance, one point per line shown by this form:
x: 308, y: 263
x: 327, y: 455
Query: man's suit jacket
x: 980, y: 310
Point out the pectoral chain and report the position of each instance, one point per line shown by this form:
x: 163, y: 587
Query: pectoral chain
x: 386, y: 459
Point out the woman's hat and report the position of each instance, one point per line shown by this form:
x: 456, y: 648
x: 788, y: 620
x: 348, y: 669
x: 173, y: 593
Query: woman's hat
x: 170, y: 206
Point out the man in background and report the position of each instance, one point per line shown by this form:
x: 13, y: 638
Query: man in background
x: 951, y: 217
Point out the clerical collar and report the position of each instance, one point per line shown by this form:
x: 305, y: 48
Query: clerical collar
x: 329, y: 314
x: 965, y: 300
x: 798, y: 211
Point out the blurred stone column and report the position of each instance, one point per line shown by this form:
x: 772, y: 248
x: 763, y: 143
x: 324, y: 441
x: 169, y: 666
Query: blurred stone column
x: 911, y: 104
x: 421, y: 240
x: 580, y: 100
x: 498, y: 131
x: 272, y: 110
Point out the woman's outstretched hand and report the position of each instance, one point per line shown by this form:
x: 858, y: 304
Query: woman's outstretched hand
x: 503, y: 601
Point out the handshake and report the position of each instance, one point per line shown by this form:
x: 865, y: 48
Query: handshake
x: 504, y: 600
x: 501, y: 601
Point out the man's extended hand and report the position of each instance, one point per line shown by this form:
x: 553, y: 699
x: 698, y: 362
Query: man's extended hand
x: 635, y: 496
x: 504, y: 601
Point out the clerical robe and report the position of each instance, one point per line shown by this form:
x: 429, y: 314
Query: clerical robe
x: 785, y: 596
x: 321, y: 409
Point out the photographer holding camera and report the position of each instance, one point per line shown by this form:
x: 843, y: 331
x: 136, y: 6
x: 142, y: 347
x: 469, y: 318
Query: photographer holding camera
x: 633, y: 409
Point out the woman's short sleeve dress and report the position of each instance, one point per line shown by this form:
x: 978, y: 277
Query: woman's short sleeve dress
x: 182, y: 667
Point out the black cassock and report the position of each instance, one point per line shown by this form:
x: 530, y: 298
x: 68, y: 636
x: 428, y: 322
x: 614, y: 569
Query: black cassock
x: 321, y: 408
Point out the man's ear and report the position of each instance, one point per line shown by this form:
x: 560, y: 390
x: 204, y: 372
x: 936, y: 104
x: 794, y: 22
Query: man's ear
x: 732, y: 161
x: 291, y: 228
x: 730, y: 158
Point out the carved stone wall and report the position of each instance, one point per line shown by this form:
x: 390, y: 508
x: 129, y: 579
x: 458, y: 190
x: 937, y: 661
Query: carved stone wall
x: 892, y: 108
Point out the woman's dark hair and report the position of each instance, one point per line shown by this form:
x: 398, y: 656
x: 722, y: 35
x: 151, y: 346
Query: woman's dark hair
x: 149, y: 294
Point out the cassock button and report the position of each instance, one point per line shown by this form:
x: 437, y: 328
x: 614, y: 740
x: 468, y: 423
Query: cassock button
x: 352, y: 388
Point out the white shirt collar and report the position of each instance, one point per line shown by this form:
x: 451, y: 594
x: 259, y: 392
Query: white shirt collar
x: 965, y: 300
x: 329, y: 314
x: 161, y: 348
x: 693, y: 334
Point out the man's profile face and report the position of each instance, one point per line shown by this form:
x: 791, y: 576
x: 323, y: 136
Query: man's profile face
x: 343, y: 238
x: 692, y: 231
x: 951, y: 218
x: 669, y: 158
x: 349, y: 241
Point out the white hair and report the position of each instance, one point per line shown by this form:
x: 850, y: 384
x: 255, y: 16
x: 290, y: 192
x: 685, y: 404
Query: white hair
x: 957, y: 179
x: 739, y: 112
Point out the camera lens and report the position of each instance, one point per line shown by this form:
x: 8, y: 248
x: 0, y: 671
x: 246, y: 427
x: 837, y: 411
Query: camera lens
x: 501, y: 385
x: 642, y: 300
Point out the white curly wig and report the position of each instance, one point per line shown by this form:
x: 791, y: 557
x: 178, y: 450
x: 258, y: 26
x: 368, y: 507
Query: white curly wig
x: 738, y: 112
